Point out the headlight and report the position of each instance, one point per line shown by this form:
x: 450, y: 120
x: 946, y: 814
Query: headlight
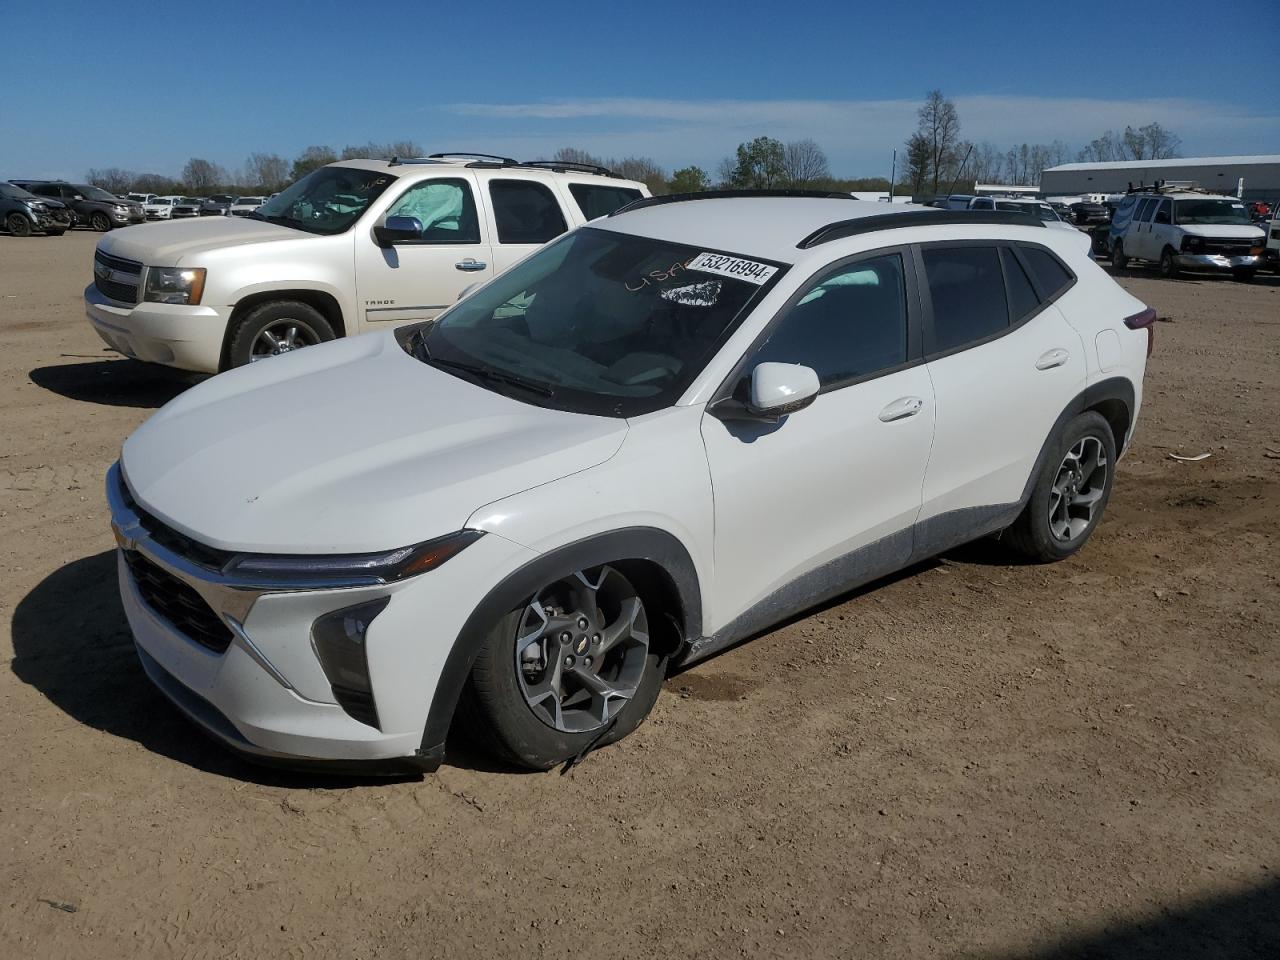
x: 1192, y: 244
x: 174, y: 285
x: 386, y: 567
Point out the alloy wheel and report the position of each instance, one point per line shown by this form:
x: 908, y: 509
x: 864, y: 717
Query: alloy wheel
x: 283, y: 336
x: 1077, y: 489
x: 18, y: 225
x: 581, y: 649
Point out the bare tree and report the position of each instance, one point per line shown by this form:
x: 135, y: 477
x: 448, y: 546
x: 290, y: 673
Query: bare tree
x: 201, y: 176
x: 382, y: 151
x: 640, y: 168
x: 804, y: 164
x: 940, y: 123
x: 153, y: 183
x: 574, y: 155
x: 1158, y: 143
x: 111, y: 179
x: 917, y: 161
x: 266, y: 171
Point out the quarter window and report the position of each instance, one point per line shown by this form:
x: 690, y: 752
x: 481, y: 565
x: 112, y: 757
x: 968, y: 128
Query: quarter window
x: 525, y: 212
x: 1048, y: 271
x: 600, y: 200
x: 1022, y: 296
x: 850, y: 324
x: 966, y: 286
x: 445, y: 208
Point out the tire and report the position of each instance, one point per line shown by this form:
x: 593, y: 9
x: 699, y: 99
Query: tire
x: 54, y: 233
x: 1054, y: 525
x: 1168, y: 265
x: 291, y: 324
x: 100, y: 222
x: 525, y: 709
x: 1118, y: 259
x: 1244, y: 276
x: 18, y: 225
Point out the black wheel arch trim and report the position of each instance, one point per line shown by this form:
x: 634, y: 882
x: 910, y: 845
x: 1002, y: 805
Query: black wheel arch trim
x: 649, y: 544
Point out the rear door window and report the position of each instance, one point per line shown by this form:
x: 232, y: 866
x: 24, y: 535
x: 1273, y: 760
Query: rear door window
x: 525, y: 212
x: 966, y: 285
x: 600, y: 200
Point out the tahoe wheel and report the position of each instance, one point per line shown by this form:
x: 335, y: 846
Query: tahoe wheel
x: 18, y: 225
x: 1168, y: 265
x: 100, y: 222
x: 1069, y: 494
x: 1118, y: 259
x: 277, y: 327
x: 572, y: 669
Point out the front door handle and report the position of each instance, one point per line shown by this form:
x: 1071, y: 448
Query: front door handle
x: 1052, y: 358
x: 470, y: 266
x: 902, y: 408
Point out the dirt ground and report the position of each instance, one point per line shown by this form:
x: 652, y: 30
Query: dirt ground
x: 972, y: 759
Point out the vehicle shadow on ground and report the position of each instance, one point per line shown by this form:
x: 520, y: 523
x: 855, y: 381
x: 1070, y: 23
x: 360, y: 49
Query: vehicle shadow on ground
x: 1237, y: 926
x: 71, y: 642
x: 117, y: 383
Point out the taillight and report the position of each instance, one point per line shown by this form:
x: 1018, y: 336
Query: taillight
x: 1146, y: 320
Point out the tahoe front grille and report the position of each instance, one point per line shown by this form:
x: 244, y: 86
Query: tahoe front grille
x: 116, y: 278
x: 178, y: 603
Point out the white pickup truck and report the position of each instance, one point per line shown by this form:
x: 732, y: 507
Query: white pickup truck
x: 356, y: 246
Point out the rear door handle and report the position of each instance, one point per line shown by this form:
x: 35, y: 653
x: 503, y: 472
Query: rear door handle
x: 1052, y: 358
x: 470, y: 266
x: 902, y: 408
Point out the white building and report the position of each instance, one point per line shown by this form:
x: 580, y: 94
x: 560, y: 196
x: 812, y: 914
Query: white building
x: 1261, y: 175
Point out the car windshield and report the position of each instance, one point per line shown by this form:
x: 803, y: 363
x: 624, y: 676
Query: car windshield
x: 1211, y: 211
x: 250, y: 201
x: 598, y: 322
x: 96, y: 193
x: 16, y: 193
x: 326, y: 201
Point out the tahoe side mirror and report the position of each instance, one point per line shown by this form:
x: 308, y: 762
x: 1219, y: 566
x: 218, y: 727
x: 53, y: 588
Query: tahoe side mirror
x: 775, y: 390
x: 398, y: 230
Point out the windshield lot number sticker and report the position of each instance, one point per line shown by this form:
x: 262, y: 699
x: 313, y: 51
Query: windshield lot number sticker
x: 736, y: 267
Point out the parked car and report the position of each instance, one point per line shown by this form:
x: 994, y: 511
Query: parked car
x: 246, y: 205
x: 356, y: 246
x: 160, y: 208
x: 956, y: 201
x: 92, y: 206
x: 218, y: 205
x: 1183, y: 228
x: 1272, y: 252
x: 142, y: 198
x: 1086, y: 212
x: 23, y: 213
x: 1036, y: 208
x: 658, y: 435
x: 185, y: 207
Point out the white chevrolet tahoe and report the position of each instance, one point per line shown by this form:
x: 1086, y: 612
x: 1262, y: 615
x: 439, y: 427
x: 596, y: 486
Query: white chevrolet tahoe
x: 356, y: 246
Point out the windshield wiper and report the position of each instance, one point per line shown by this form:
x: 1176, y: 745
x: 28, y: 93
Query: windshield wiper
x: 476, y: 370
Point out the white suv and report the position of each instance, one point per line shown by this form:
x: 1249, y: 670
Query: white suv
x: 356, y: 246
x: 657, y: 436
x: 1186, y: 229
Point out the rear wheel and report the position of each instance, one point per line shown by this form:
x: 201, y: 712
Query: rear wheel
x: 1168, y: 263
x: 571, y: 669
x: 277, y: 327
x: 18, y: 225
x: 1118, y: 259
x: 100, y: 222
x: 1070, y: 493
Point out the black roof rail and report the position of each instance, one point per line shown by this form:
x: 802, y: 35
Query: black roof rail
x: 564, y: 166
x: 506, y: 161
x: 727, y: 194
x: 924, y: 218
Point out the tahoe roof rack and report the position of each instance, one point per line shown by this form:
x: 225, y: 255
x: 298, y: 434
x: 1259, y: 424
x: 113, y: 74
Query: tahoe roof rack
x: 726, y: 194
x: 564, y: 166
x: 461, y: 154
x: 924, y: 218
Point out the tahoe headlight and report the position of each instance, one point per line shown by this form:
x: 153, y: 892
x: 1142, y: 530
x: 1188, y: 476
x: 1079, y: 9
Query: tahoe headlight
x: 174, y: 285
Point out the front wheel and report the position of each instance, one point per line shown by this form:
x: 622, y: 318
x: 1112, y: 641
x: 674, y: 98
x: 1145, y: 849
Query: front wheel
x: 100, y: 222
x: 571, y: 669
x: 1069, y: 494
x: 18, y: 225
x: 277, y: 327
x: 1168, y: 264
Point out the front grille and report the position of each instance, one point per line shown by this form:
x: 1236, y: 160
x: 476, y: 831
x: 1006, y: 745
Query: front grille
x: 1230, y: 246
x: 178, y: 603
x: 116, y: 278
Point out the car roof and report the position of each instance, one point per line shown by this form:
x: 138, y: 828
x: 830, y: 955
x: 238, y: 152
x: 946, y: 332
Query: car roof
x: 769, y: 227
x: 406, y: 166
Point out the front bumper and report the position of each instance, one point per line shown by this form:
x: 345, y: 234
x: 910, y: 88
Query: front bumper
x: 186, y: 337
x: 126, y: 219
x: 1213, y: 261
x: 266, y: 695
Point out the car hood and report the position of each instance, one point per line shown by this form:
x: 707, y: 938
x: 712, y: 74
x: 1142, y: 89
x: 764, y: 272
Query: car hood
x: 164, y: 243
x: 1227, y: 230
x: 351, y: 446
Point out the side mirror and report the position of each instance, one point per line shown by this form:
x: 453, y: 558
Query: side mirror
x: 775, y: 390
x: 398, y: 230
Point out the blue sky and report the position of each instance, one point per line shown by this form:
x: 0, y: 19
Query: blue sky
x: 132, y: 85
